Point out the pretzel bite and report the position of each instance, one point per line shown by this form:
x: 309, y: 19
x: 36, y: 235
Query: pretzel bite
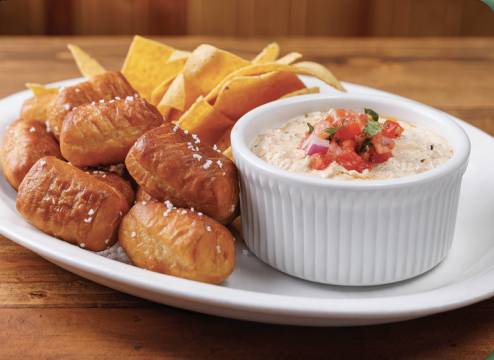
x: 143, y: 196
x: 102, y: 133
x: 117, y: 182
x: 64, y: 201
x: 177, y: 242
x: 172, y: 165
x: 36, y: 107
x: 24, y: 143
x: 100, y: 87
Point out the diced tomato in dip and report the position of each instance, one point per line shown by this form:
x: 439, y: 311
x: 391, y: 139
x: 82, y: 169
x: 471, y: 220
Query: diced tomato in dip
x: 391, y: 129
x: 356, y: 141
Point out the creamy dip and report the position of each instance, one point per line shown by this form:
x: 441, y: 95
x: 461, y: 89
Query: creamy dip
x: 418, y: 149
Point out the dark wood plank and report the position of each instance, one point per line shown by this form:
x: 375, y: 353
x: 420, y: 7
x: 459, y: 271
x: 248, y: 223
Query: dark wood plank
x: 248, y: 18
x: 26, y: 280
x: 166, y: 333
x: 58, y: 17
x: 22, y: 17
x: 167, y: 17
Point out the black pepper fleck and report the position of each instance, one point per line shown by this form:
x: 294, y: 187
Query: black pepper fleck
x: 432, y: 147
x: 422, y: 160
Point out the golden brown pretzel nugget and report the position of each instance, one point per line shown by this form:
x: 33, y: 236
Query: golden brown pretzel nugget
x: 102, y: 133
x: 117, y: 182
x: 172, y: 165
x: 24, y: 143
x: 100, y: 87
x: 177, y: 242
x: 64, y: 201
x: 36, y: 107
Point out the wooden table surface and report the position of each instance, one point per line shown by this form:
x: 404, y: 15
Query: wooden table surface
x: 46, y: 312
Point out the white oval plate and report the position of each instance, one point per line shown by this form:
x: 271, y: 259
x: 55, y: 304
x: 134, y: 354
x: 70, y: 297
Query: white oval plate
x: 257, y: 292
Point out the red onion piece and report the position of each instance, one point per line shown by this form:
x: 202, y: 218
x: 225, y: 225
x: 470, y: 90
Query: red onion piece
x: 314, y: 145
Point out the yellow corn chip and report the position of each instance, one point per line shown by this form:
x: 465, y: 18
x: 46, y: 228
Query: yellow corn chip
x: 268, y: 54
x: 88, y: 66
x: 305, y: 68
x: 204, y: 68
x: 179, y: 54
x: 174, y: 97
x: 311, y: 90
x: 289, y: 58
x: 228, y: 153
x: 319, y: 71
x: 244, y: 93
x: 145, y: 65
x: 160, y: 90
x: 170, y: 71
x: 203, y: 120
x: 39, y: 89
x: 207, y: 65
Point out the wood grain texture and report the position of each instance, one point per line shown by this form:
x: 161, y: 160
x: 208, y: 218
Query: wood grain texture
x: 165, y: 333
x: 46, y: 312
x: 247, y: 18
x: 57, y: 17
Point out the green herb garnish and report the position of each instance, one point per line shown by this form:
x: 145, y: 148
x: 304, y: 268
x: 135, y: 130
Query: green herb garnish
x: 311, y: 128
x: 331, y: 131
x: 372, y: 128
x: 364, y: 147
x: 374, y: 115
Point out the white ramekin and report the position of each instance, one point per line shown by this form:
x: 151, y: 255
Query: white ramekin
x: 348, y: 232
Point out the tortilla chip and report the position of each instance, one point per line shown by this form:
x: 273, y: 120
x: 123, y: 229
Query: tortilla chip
x: 204, y: 121
x: 88, y: 66
x: 179, y: 54
x: 244, y: 93
x: 204, y: 68
x: 289, y: 58
x: 319, y: 71
x: 39, y: 89
x: 160, y: 90
x: 228, y: 153
x: 305, y: 68
x: 268, y: 54
x: 145, y: 66
x: 311, y: 90
x: 207, y: 65
x: 174, y: 97
x: 170, y: 72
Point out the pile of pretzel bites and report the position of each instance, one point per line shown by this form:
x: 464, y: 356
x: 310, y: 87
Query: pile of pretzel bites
x: 136, y: 156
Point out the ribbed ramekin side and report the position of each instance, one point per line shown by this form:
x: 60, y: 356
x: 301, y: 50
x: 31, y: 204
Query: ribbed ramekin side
x: 346, y: 236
